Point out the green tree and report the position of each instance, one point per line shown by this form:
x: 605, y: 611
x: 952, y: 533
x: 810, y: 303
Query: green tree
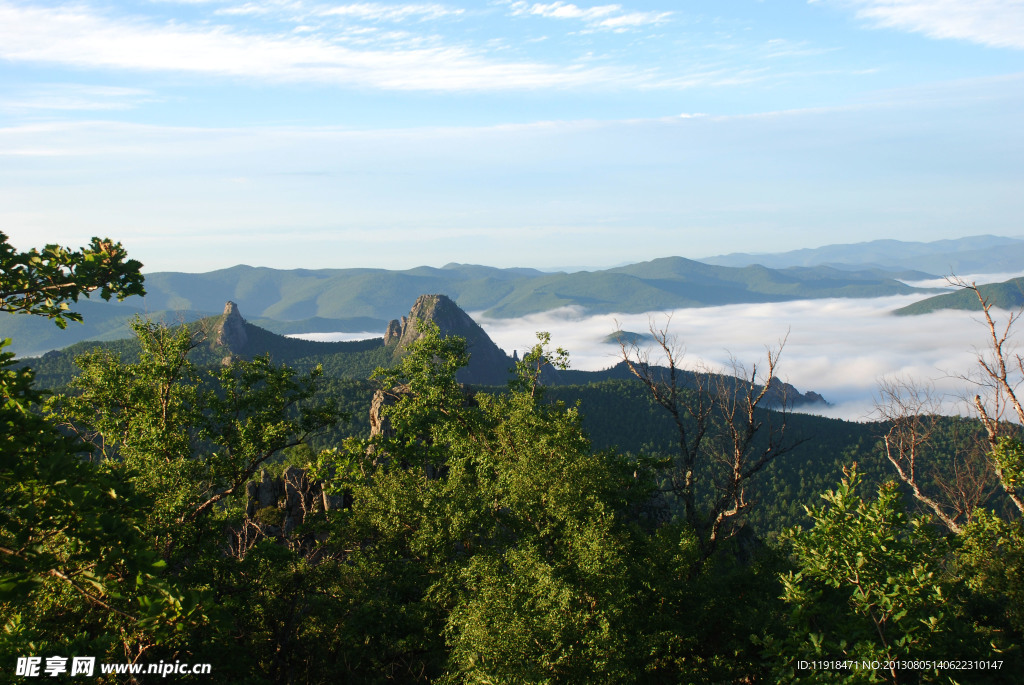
x: 505, y: 530
x: 75, y: 570
x: 187, y: 438
x: 43, y: 282
x: 502, y: 548
x: 872, y: 584
x: 976, y: 494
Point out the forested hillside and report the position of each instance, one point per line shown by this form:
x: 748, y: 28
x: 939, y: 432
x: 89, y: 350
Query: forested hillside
x: 182, y: 501
x: 301, y: 300
x: 1008, y: 295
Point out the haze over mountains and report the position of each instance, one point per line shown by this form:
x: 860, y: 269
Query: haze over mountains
x: 973, y: 254
x: 364, y: 300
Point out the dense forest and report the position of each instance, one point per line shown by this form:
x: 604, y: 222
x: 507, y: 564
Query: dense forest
x: 289, y: 524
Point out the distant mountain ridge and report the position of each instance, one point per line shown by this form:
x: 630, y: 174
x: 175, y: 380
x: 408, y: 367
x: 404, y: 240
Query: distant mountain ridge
x: 350, y: 299
x: 973, y: 254
x: 669, y: 282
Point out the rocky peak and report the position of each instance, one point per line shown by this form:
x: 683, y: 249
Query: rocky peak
x: 488, y: 365
x: 440, y: 310
x: 231, y: 330
x: 394, y: 331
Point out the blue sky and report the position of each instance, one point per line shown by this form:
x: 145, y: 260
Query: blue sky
x: 288, y: 133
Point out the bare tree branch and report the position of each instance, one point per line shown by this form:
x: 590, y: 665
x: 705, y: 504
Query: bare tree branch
x: 698, y: 401
x: 913, y: 412
x: 1004, y: 371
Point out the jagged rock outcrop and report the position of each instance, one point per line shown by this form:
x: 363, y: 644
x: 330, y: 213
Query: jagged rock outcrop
x: 231, y: 330
x: 276, y: 506
x: 488, y: 364
x: 294, y: 493
x: 811, y: 397
x: 782, y: 394
x: 394, y: 331
x: 379, y: 423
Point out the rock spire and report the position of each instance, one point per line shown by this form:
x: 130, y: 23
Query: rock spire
x: 488, y: 364
x: 231, y: 331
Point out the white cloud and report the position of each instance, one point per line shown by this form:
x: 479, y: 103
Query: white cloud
x: 336, y: 337
x: 373, y: 11
x: 75, y: 97
x: 979, y: 279
x: 840, y: 348
x: 361, y: 11
x: 248, y: 9
x: 997, y: 23
x: 607, y: 17
x: 78, y: 37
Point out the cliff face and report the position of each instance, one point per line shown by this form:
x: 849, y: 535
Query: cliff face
x: 488, y: 364
x: 231, y: 331
x: 394, y: 331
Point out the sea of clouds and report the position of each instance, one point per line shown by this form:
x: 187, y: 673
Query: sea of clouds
x: 337, y: 337
x: 840, y: 348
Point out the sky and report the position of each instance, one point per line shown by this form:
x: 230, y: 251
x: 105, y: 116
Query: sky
x: 308, y: 133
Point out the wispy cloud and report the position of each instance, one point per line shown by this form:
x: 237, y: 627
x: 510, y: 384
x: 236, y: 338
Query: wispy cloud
x: 373, y: 11
x: 599, y: 17
x: 296, y: 10
x: 77, y: 36
x: 996, y: 23
x: 75, y: 97
x: 685, y: 185
x: 780, y: 47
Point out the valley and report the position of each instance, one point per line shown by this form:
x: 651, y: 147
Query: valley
x: 512, y: 343
x: 217, y: 475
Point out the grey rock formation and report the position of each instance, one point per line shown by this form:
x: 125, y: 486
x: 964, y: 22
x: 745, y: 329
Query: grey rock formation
x: 394, y: 331
x: 231, y: 330
x: 811, y: 397
x: 783, y: 395
x: 488, y: 365
x: 379, y: 423
x: 293, y: 492
x: 275, y: 507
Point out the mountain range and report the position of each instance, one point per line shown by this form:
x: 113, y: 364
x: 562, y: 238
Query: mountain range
x: 1007, y: 295
x: 341, y: 295
x: 302, y: 301
x: 973, y: 254
x: 364, y: 300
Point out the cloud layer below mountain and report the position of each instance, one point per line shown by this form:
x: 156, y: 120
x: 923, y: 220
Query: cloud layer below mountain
x: 840, y: 348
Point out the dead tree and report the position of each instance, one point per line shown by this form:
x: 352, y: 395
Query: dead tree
x: 1001, y: 374
x: 718, y: 420
x: 914, y: 413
